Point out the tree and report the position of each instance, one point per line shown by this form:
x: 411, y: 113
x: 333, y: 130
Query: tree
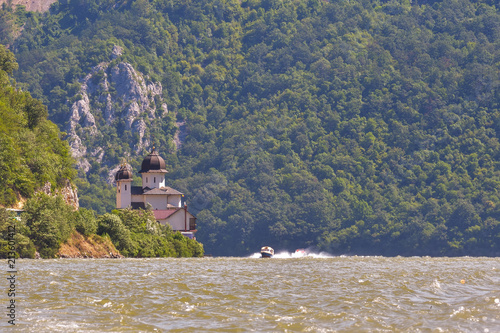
x: 50, y: 221
x: 113, y: 226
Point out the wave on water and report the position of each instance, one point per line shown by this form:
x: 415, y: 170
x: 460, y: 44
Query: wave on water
x: 296, y: 254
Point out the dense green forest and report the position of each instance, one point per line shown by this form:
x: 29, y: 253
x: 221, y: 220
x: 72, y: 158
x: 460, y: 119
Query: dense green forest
x: 362, y: 126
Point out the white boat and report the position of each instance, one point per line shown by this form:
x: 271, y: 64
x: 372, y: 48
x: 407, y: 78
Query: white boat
x: 267, y: 252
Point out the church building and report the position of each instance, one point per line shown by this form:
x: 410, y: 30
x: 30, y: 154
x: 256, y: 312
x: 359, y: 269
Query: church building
x: 166, y: 202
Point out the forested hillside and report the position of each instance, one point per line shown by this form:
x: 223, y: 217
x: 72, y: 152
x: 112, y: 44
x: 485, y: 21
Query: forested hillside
x: 366, y: 127
x: 32, y: 151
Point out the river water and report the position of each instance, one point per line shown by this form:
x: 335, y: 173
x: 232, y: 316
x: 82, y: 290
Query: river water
x: 315, y: 293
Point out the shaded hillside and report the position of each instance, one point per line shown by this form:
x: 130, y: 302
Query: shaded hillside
x: 364, y: 127
x: 30, y: 5
x: 14, y: 14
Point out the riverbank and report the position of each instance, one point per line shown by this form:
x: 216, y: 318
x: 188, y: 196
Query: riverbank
x: 93, y: 246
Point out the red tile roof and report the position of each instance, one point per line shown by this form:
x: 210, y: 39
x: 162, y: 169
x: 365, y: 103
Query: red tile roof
x: 161, y: 214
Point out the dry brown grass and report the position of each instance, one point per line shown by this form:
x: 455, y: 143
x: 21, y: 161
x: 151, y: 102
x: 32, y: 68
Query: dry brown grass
x: 94, y: 246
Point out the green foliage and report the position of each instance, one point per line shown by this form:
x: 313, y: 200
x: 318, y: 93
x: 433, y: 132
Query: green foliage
x: 186, y: 247
x: 366, y: 127
x: 13, y: 237
x: 99, y: 196
x: 8, y: 62
x: 149, y: 245
x: 113, y: 226
x: 85, y: 221
x: 47, y: 222
x: 24, y: 246
x: 32, y: 151
x: 137, y: 234
x: 50, y: 222
x: 12, y: 21
x: 137, y: 221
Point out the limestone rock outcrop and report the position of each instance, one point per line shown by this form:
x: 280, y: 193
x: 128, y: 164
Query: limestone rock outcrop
x: 69, y: 192
x: 114, y: 100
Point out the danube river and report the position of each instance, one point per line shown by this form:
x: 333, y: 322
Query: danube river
x: 316, y: 293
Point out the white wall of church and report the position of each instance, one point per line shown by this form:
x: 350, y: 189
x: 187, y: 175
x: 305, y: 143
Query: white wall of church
x: 153, y: 179
x: 176, y: 225
x: 157, y: 201
x: 174, y: 200
x: 178, y: 221
x: 162, y: 201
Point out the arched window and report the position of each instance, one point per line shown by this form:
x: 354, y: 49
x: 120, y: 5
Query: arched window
x: 125, y: 187
x: 154, y: 179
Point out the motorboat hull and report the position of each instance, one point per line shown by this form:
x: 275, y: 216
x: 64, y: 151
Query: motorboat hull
x: 266, y: 252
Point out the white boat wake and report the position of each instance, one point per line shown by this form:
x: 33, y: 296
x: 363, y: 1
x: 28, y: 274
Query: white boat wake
x: 297, y: 254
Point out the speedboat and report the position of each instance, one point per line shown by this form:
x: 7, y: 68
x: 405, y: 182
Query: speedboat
x: 267, y: 252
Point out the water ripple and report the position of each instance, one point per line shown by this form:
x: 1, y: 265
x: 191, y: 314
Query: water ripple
x: 284, y: 294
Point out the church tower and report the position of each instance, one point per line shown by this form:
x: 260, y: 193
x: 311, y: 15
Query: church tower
x: 124, y: 187
x: 153, y: 171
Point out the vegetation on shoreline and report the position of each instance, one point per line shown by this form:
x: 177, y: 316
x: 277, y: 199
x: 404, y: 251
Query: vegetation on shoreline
x: 364, y: 127
x: 53, y: 229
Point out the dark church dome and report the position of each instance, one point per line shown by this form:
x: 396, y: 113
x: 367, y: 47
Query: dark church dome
x: 153, y: 162
x: 123, y: 173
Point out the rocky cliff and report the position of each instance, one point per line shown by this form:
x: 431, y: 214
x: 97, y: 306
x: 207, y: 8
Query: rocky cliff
x: 69, y: 192
x: 115, y: 103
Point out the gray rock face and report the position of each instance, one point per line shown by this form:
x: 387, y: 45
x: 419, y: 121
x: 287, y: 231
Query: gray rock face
x: 69, y: 192
x: 113, y: 96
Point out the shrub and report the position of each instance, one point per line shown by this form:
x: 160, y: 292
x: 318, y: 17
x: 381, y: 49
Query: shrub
x: 85, y: 221
x: 113, y: 226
